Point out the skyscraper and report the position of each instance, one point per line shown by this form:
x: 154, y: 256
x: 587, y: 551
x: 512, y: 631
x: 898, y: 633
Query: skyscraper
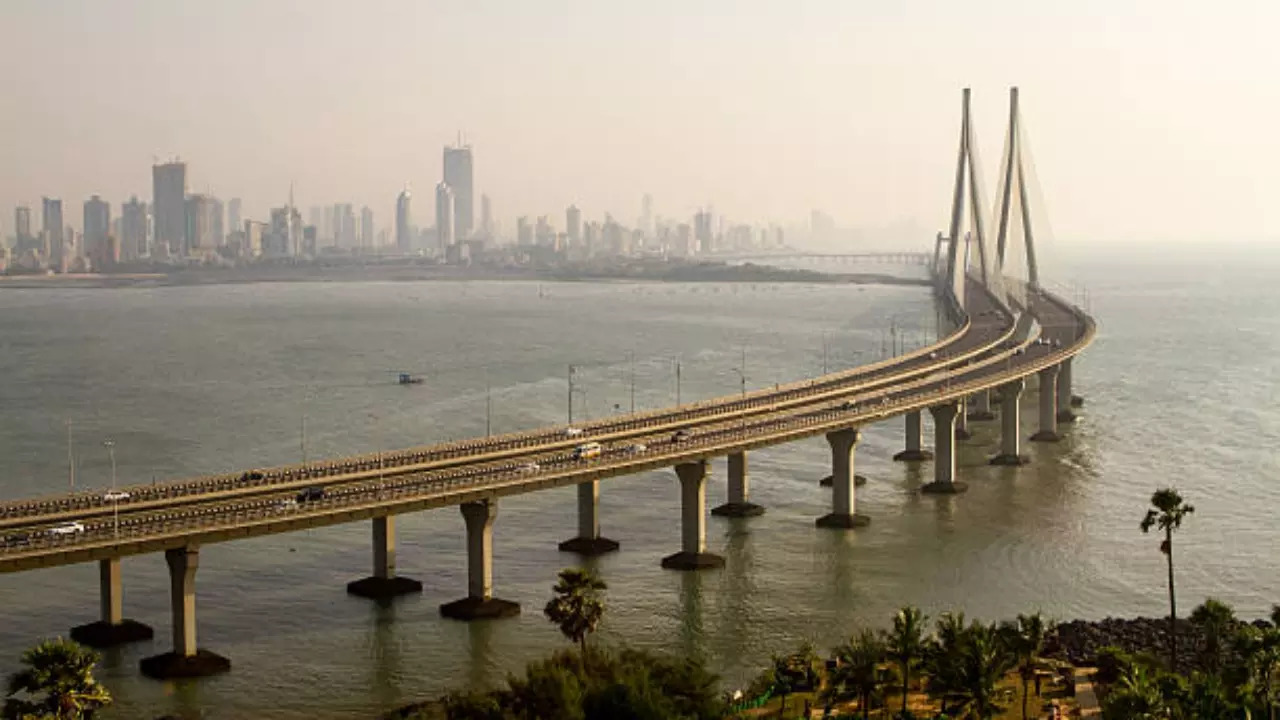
x: 524, y: 231
x: 573, y: 225
x: 404, y: 235
x: 458, y: 176
x: 22, y: 227
x: 445, y: 216
x: 233, y: 215
x: 133, y: 230
x: 97, y: 229
x: 366, y: 227
x: 168, y: 203
x: 218, y: 214
x: 646, y: 215
x: 486, y: 218
x: 51, y: 229
x: 702, y: 231
x: 200, y: 225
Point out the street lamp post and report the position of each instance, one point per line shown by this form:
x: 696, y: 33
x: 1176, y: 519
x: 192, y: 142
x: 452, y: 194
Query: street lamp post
x: 677, y: 362
x: 71, y: 460
x: 632, y: 373
x: 488, y: 407
x: 115, y: 497
x: 572, y: 368
x: 824, y: 353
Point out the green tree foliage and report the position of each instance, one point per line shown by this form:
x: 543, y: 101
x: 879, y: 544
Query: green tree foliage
x: 1166, y: 514
x: 617, y: 685
x: 942, y: 659
x: 578, y: 605
x: 1216, y: 621
x: 56, y: 682
x: 985, y: 657
x: 906, y: 645
x: 1025, y: 639
x: 859, y: 671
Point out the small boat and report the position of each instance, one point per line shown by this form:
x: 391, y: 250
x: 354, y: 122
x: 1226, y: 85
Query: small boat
x: 407, y: 379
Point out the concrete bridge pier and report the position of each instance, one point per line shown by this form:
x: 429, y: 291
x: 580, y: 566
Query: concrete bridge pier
x: 1048, y: 431
x: 186, y: 660
x: 693, y: 553
x: 915, y: 451
x: 1010, y: 424
x: 113, y: 629
x: 980, y: 407
x: 944, y: 446
x: 739, y: 491
x: 383, y: 584
x: 1066, y: 400
x: 589, y: 542
x: 962, y: 420
x: 843, y: 494
x: 479, y: 603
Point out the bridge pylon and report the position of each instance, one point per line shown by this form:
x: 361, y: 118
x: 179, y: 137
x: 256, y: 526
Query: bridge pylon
x: 1013, y: 175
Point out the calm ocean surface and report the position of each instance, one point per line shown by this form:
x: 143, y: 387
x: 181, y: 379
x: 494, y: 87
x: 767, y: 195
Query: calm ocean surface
x: 1181, y: 389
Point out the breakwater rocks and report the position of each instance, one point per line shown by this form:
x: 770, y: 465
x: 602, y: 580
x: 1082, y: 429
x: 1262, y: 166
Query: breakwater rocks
x: 1078, y: 641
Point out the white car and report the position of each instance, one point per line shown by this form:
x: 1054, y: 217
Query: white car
x: 572, y: 432
x: 637, y: 448
x: 530, y: 467
x: 71, y: 528
x: 116, y: 496
x: 285, y: 505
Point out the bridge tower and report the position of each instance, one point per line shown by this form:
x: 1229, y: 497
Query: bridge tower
x: 967, y: 201
x: 1013, y: 173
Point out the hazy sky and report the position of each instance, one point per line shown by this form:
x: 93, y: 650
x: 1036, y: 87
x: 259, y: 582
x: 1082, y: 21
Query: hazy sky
x: 1148, y: 120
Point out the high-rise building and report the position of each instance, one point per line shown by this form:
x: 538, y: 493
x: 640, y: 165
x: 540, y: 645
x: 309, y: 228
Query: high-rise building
x: 200, y: 225
x: 486, y: 218
x: 543, y: 234
x: 219, y: 230
x: 233, y: 215
x: 51, y: 227
x: 346, y: 226
x: 97, y: 229
x: 524, y: 231
x: 168, y: 204
x: 646, y: 215
x: 446, y: 219
x: 458, y: 176
x: 133, y: 230
x: 404, y: 233
x: 702, y: 231
x: 284, y: 236
x: 22, y: 227
x: 573, y: 225
x: 367, y: 239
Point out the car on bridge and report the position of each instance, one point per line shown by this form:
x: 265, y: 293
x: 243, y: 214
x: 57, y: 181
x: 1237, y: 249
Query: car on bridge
x: 115, y: 496
x: 530, y: 467
x: 637, y: 448
x: 681, y: 435
x: 311, y: 493
x: 587, y: 451
x: 285, y: 505
x: 572, y: 432
x: 17, y: 540
x: 69, y: 528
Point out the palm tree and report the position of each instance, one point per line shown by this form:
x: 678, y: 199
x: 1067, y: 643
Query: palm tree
x: 1137, y: 696
x: 984, y: 660
x: 1025, y: 639
x: 859, y: 670
x: 1167, y: 515
x: 1215, y: 620
x: 906, y: 645
x: 943, y: 658
x: 1260, y: 652
x: 577, y: 606
x: 58, y: 680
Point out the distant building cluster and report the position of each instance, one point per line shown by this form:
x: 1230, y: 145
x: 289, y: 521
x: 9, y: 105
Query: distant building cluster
x: 179, y: 227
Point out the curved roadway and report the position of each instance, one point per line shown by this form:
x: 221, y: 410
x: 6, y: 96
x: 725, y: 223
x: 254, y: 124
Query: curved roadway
x: 225, y: 507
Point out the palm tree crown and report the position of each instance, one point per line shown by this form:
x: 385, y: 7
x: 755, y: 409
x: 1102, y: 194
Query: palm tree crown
x: 1166, y: 513
x: 57, y: 680
x: 578, y: 605
x: 906, y: 645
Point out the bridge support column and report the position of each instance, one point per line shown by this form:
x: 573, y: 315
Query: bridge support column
x: 739, y: 490
x: 843, y: 495
x: 980, y: 407
x: 589, y: 542
x: 1065, y: 398
x: 1010, y: 424
x: 383, y: 584
x: 1048, y: 431
x: 112, y: 629
x: 915, y: 451
x: 185, y: 660
x: 479, y: 602
x: 962, y: 421
x: 944, y: 447
x: 693, y: 553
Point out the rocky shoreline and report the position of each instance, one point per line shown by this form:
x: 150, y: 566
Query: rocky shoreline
x: 1079, y: 641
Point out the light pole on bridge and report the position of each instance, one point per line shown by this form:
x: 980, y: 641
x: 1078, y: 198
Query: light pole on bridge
x: 71, y: 460
x: 115, y: 497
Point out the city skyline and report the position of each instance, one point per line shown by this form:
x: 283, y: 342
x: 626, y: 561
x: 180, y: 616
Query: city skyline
x: 766, y: 110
